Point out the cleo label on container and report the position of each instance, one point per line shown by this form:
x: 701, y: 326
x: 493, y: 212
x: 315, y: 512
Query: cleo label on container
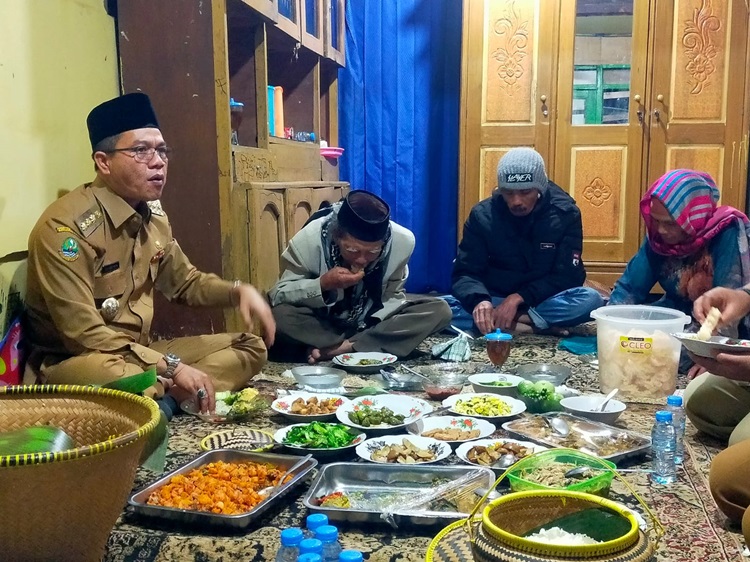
x: 636, y: 345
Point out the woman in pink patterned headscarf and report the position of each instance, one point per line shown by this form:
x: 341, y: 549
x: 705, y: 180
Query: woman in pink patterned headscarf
x: 691, y: 246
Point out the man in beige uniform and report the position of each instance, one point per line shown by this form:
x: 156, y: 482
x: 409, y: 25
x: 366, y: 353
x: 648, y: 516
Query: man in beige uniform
x: 97, y: 254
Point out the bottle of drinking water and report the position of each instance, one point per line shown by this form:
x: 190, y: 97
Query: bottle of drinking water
x: 313, y: 521
x: 329, y: 536
x: 350, y: 556
x: 674, y: 405
x: 289, y: 550
x: 310, y: 557
x: 663, y: 446
x: 313, y: 546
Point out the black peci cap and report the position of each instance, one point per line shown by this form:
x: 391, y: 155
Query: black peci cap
x: 124, y: 113
x: 365, y: 216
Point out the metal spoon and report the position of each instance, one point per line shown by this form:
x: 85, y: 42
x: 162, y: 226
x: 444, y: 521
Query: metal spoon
x: 413, y: 372
x: 504, y: 461
x: 581, y: 470
x: 607, y: 398
x: 290, y: 470
x: 558, y: 425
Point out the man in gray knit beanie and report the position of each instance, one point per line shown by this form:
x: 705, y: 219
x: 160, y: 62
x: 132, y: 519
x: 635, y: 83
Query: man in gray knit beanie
x: 519, y: 263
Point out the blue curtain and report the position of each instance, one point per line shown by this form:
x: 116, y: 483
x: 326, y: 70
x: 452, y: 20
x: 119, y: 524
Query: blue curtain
x: 399, y: 101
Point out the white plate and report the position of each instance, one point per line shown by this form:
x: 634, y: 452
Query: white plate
x: 463, y: 449
x: 281, y: 433
x: 715, y: 343
x: 516, y: 406
x: 439, y: 448
x: 351, y: 361
x: 452, y: 422
x: 283, y: 406
x: 411, y: 408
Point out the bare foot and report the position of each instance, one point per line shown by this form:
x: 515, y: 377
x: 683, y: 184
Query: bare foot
x: 553, y: 331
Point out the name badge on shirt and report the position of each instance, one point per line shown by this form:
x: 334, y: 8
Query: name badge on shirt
x: 547, y: 246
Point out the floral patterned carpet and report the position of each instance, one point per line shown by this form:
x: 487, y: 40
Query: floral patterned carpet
x: 695, y: 529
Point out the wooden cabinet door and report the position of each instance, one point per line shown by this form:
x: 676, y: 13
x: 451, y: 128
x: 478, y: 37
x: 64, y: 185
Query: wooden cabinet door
x: 334, y: 12
x: 312, y: 25
x: 602, y: 70
x: 509, y: 54
x: 298, y: 202
x: 698, y: 94
x: 267, y: 236
x: 289, y: 18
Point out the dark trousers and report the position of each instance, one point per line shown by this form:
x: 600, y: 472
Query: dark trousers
x: 399, y: 334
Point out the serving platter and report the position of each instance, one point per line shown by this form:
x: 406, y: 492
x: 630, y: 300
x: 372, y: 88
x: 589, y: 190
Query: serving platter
x: 439, y: 449
x: 363, y: 362
x: 715, y: 344
x: 377, y: 487
x: 411, y: 408
x: 455, y: 405
x: 284, y: 405
x: 138, y: 500
x: 462, y: 452
x: 596, y: 438
x: 458, y: 423
x: 319, y: 453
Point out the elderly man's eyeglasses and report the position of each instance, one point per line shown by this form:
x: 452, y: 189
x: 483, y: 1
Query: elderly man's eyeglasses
x: 144, y: 154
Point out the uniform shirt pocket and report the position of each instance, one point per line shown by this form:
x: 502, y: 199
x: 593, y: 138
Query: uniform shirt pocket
x: 110, y: 285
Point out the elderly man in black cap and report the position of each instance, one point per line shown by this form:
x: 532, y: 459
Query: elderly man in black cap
x: 96, y: 256
x: 519, y: 263
x: 342, y: 286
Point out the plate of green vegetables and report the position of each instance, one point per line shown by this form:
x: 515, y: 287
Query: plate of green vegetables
x: 319, y: 438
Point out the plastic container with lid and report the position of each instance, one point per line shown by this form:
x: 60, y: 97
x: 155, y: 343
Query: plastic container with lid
x: 636, y: 352
x: 498, y: 346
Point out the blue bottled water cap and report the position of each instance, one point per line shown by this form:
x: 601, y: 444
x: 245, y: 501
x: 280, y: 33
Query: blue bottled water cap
x: 350, y: 556
x: 311, y: 545
x: 291, y: 536
x: 498, y: 335
x: 233, y: 103
x: 663, y: 416
x: 327, y: 533
x: 674, y: 400
x: 310, y: 557
x: 316, y: 520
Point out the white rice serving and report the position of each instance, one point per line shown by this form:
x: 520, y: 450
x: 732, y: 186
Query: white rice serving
x: 555, y: 535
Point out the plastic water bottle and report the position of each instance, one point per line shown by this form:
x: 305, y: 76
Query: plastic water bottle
x: 304, y: 136
x: 310, y: 557
x: 329, y: 536
x: 663, y: 446
x: 312, y: 546
x: 350, y: 556
x: 289, y: 550
x: 314, y: 521
x: 674, y: 405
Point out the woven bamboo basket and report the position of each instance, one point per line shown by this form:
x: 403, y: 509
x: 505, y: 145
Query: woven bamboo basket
x: 62, y: 506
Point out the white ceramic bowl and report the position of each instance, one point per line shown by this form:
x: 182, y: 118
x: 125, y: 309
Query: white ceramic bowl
x: 464, y: 423
x: 411, y: 408
x: 318, y: 377
x: 516, y: 406
x: 585, y: 405
x: 480, y: 383
x: 462, y: 451
x: 283, y: 406
x: 440, y: 449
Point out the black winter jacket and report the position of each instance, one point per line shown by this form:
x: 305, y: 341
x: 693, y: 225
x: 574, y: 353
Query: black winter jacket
x: 536, y: 256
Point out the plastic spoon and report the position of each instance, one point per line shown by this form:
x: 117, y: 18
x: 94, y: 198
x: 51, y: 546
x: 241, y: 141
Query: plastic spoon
x: 607, y: 398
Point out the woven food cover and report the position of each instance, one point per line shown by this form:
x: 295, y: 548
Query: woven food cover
x: 63, y: 505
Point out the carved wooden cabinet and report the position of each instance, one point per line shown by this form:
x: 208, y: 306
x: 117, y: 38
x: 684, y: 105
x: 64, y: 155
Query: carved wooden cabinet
x: 233, y: 207
x: 612, y: 94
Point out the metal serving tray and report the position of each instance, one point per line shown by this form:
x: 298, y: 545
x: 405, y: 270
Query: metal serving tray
x: 240, y: 521
x: 596, y: 438
x: 380, y: 479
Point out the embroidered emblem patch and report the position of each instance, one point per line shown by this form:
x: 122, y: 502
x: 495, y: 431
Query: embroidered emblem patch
x: 546, y: 245
x: 520, y: 177
x: 576, y: 259
x: 69, y: 250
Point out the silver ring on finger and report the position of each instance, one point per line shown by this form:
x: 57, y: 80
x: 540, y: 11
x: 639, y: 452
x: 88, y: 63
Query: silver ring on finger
x: 202, y: 393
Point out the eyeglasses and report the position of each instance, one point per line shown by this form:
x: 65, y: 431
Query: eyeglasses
x: 144, y: 154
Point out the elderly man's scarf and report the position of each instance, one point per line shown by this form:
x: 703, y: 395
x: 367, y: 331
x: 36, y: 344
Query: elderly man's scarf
x: 690, y: 197
x: 365, y: 298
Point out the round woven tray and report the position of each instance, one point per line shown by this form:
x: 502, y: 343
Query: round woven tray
x: 452, y: 544
x: 63, y: 505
